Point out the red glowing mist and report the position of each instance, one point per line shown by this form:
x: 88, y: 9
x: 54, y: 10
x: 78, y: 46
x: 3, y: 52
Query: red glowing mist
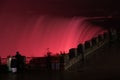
x: 33, y: 35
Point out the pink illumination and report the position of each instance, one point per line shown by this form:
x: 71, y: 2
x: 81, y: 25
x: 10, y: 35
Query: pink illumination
x: 31, y: 35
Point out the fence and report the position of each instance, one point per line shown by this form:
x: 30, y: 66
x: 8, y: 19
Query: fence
x: 64, y: 61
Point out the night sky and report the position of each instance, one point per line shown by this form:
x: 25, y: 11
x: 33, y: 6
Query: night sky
x: 61, y: 7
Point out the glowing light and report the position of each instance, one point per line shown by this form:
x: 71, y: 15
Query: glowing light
x: 33, y: 35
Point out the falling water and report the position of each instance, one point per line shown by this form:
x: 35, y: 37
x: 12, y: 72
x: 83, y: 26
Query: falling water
x: 33, y: 35
x: 23, y: 29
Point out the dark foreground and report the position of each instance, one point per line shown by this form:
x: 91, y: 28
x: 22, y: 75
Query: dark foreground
x: 103, y: 64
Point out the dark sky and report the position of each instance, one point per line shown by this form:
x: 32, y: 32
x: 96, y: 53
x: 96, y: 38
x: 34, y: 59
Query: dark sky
x: 61, y: 7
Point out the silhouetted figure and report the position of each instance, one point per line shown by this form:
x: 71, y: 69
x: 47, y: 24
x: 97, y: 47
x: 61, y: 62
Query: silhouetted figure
x: 81, y: 51
x: 94, y: 41
x: 72, y: 53
x: 100, y: 38
x: 62, y: 61
x: 9, y: 58
x: 0, y: 60
x: 87, y: 45
x: 48, y: 60
x: 55, y: 62
x: 23, y: 60
x: 14, y: 64
x: 19, y: 61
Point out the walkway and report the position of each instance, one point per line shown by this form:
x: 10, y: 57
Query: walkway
x: 103, y: 64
